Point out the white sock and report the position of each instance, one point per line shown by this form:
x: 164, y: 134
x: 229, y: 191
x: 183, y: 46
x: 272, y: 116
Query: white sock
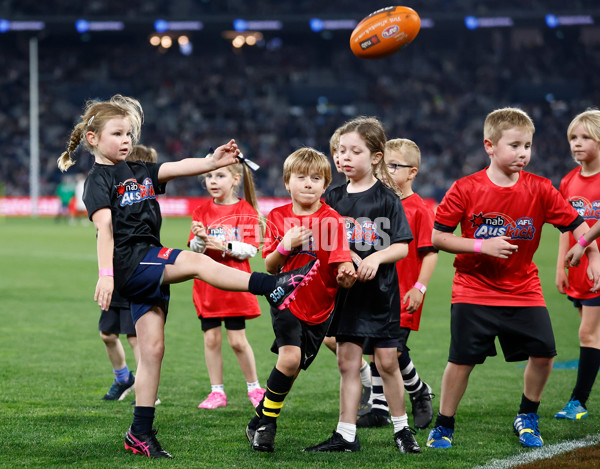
x: 365, y: 375
x: 347, y: 430
x: 217, y: 388
x: 253, y: 386
x: 400, y: 422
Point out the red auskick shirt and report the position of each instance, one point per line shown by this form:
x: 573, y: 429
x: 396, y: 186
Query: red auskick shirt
x: 484, y: 210
x: 237, y: 222
x: 420, y: 218
x: 313, y: 303
x: 583, y: 193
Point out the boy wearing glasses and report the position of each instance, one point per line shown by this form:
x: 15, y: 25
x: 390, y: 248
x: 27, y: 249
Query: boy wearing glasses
x: 403, y: 158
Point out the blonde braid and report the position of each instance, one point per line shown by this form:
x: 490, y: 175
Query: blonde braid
x: 65, y: 161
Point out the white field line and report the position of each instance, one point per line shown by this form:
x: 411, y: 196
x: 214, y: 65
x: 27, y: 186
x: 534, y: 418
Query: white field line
x: 541, y: 453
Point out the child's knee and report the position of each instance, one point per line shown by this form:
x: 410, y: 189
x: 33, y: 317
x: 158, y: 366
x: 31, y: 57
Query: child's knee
x: 109, y: 337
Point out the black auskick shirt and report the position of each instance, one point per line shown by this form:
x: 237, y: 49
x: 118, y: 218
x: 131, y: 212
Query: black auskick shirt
x: 129, y: 189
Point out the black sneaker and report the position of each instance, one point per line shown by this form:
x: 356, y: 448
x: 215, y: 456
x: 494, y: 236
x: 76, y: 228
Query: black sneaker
x: 288, y: 283
x: 264, y: 438
x: 372, y: 420
x: 145, y: 444
x: 364, y: 407
x: 118, y: 391
x: 422, y: 409
x: 405, y: 441
x: 336, y: 444
x: 251, y: 428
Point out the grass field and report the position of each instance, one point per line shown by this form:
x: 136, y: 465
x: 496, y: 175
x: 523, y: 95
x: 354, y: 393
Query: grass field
x: 54, y: 371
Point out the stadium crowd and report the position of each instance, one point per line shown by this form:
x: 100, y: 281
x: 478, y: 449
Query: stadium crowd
x: 294, y: 89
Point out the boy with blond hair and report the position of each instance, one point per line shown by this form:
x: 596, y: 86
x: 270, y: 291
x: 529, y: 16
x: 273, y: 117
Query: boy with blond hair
x: 298, y: 233
x: 496, y: 290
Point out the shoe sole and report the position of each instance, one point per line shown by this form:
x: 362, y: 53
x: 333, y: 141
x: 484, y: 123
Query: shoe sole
x: 307, y: 278
x: 127, y: 391
x: 262, y: 449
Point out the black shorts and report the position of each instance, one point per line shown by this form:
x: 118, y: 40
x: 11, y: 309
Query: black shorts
x: 231, y: 324
x: 523, y: 332
x: 370, y: 343
x: 116, y: 321
x: 289, y: 330
x: 587, y: 302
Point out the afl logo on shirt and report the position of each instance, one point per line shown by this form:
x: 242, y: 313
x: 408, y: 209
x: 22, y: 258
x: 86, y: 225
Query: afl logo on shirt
x: 588, y: 210
x: 361, y: 231
x: 495, y: 224
x: 130, y: 192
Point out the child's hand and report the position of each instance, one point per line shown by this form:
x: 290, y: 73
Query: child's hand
x: 226, y: 154
x: 199, y: 230
x: 573, y: 257
x: 414, y: 298
x: 562, y: 280
x: 346, y: 275
x: 295, y: 237
x: 498, y: 247
x: 103, y: 293
x: 368, y: 268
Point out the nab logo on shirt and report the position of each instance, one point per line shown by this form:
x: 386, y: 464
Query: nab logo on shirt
x: 225, y: 232
x: 361, y: 231
x: 491, y: 225
x: 131, y: 192
x: 588, y: 210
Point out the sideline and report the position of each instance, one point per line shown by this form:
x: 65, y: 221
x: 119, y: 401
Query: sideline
x: 542, y: 453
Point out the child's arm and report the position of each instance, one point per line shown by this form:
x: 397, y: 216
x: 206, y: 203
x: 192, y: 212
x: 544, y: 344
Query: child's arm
x: 582, y: 233
x: 222, y: 156
x: 494, y: 247
x: 370, y: 264
x: 346, y: 275
x: 199, y: 241
x: 294, y: 237
x: 414, y: 297
x: 106, y: 283
x: 562, y: 279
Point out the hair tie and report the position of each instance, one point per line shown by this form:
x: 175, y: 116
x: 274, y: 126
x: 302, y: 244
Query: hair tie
x: 251, y: 164
x: 91, y: 120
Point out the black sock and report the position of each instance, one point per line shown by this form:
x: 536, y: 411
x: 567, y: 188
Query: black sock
x: 143, y: 418
x: 278, y: 387
x: 379, y: 403
x: 527, y: 406
x: 589, y: 362
x: 261, y: 283
x: 443, y: 421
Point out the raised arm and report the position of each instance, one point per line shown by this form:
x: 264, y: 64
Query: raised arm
x: 223, y: 156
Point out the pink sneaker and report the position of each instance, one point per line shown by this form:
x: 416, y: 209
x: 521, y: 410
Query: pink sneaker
x: 214, y: 400
x: 256, y: 396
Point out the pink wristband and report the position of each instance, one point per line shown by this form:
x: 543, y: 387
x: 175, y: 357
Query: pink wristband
x: 419, y: 286
x: 106, y: 273
x: 283, y: 251
x: 477, y: 245
x: 583, y: 242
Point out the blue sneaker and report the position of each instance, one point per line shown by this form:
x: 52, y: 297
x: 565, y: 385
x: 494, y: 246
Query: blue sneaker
x: 572, y: 411
x: 440, y: 437
x: 526, y: 428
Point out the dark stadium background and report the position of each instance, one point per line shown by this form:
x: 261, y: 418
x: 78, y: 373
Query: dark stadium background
x: 295, y: 86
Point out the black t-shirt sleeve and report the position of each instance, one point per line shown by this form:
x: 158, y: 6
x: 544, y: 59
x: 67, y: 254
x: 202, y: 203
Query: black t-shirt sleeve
x: 96, y: 192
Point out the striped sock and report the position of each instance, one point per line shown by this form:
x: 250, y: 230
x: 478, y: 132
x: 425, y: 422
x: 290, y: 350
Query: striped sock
x: 412, y: 381
x: 380, y: 405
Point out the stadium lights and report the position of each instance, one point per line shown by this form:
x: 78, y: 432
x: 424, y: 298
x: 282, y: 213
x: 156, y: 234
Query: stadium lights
x: 473, y: 22
x: 6, y: 25
x: 241, y: 25
x: 162, y: 26
x: 83, y: 26
x: 552, y: 21
x: 239, y: 39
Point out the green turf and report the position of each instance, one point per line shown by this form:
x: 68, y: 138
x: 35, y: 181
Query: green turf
x: 54, y: 371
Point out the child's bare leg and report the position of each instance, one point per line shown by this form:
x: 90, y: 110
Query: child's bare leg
x: 114, y: 350
x: 537, y: 372
x: 132, y: 339
x: 349, y: 359
x: 150, y: 330
x: 213, y: 355
x: 189, y: 265
x: 329, y: 342
x: 454, y: 385
x: 244, y: 354
x: 393, y: 386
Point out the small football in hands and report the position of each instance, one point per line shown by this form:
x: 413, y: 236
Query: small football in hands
x: 384, y: 32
